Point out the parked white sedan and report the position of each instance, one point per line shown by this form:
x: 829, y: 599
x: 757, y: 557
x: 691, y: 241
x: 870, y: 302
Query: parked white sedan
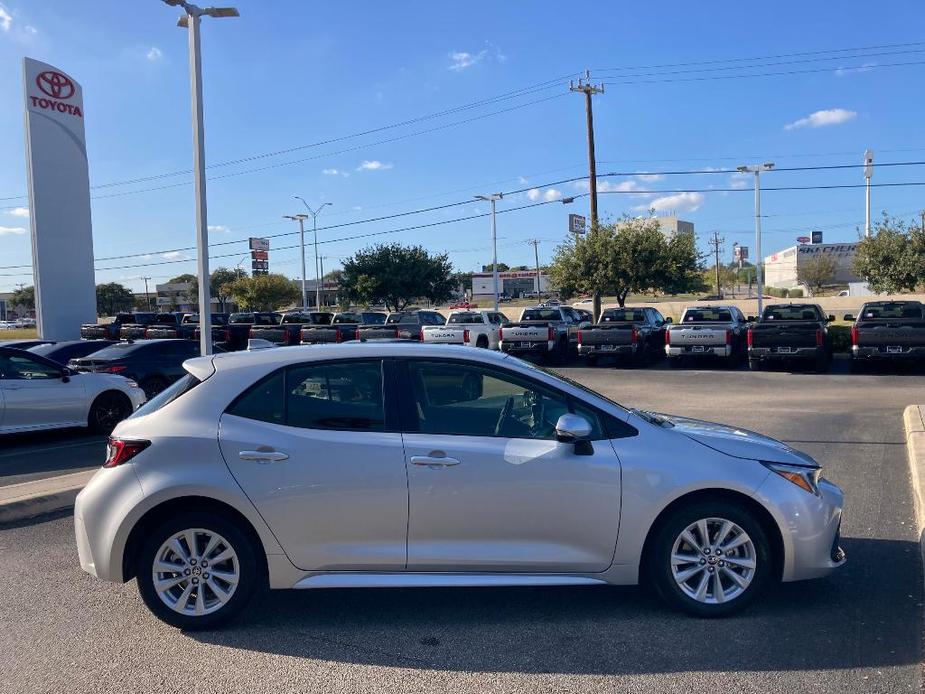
x: 400, y: 464
x: 37, y: 393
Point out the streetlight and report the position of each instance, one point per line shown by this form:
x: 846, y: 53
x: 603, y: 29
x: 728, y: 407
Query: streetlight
x: 493, y: 198
x: 300, y: 218
x: 757, y: 169
x: 191, y: 21
x: 314, y: 214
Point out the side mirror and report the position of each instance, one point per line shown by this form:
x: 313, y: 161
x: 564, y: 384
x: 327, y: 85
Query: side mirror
x: 848, y: 317
x: 830, y: 318
x: 573, y: 428
x: 65, y: 375
x: 669, y: 320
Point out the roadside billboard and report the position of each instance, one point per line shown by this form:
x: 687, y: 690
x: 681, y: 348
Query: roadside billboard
x: 59, y: 201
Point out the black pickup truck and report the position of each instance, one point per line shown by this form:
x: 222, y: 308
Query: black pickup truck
x: 139, y: 330
x: 790, y: 332
x: 888, y: 331
x: 289, y: 329
x: 637, y: 333
x: 110, y: 331
x: 402, y: 325
x: 234, y: 334
x: 343, y: 327
x: 187, y: 327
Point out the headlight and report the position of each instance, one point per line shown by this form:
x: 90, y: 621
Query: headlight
x: 806, y: 478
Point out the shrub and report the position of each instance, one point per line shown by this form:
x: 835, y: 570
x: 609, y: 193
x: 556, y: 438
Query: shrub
x: 841, y: 338
x: 795, y: 293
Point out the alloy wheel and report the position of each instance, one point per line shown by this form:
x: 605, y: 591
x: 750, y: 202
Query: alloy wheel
x: 713, y: 561
x: 196, y: 572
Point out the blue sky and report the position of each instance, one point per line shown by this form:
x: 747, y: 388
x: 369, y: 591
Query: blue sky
x: 289, y: 74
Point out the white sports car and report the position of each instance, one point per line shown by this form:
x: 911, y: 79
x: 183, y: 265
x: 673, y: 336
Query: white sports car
x: 37, y: 393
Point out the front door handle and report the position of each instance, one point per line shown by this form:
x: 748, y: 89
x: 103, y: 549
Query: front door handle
x: 433, y: 461
x: 263, y: 456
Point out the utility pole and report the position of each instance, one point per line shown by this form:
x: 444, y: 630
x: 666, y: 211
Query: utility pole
x: 585, y: 87
x: 300, y: 218
x: 321, y: 265
x: 147, y: 296
x: 757, y: 169
x: 868, y: 173
x: 536, y: 254
x: 716, y: 242
x: 922, y: 215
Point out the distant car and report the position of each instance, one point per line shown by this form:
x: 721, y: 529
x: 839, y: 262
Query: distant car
x: 63, y: 352
x: 343, y: 327
x: 153, y: 364
x: 24, y: 343
x: 707, y: 331
x: 462, y: 305
x: 471, y: 328
x: 634, y: 333
x: 843, y: 292
x: 584, y: 302
x: 8, y: 325
x: 37, y: 393
x: 891, y: 331
x: 711, y: 297
x: 402, y: 325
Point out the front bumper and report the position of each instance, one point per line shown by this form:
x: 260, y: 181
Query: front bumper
x: 809, y: 524
x: 881, y: 353
x: 698, y: 351
x: 604, y: 350
x: 774, y: 353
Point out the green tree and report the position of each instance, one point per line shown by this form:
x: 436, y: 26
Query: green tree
x: 219, y: 279
x: 632, y: 255
x: 113, y: 298
x: 893, y: 258
x: 817, y: 272
x: 263, y: 292
x: 24, y: 297
x: 502, y: 267
x: 397, y: 275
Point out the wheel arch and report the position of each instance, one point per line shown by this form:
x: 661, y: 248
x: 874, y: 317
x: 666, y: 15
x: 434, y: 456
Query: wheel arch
x: 157, y: 514
x: 762, y: 515
x: 109, y: 391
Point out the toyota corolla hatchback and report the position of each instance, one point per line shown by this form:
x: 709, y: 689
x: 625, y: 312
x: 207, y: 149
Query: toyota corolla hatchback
x: 389, y: 464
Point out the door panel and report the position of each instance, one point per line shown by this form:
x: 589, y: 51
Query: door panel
x: 36, y: 397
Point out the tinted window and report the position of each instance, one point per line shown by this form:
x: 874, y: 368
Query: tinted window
x: 620, y: 315
x: 795, y: 312
x: 346, y: 318
x: 466, y: 318
x: 345, y: 396
x: 183, y: 385
x: 541, y: 314
x: 707, y: 315
x: 467, y: 400
x: 165, y: 319
x: 892, y: 310
x: 15, y: 367
x: 374, y: 318
x: 180, y: 348
x: 122, y: 350
x: 263, y: 401
x: 401, y: 318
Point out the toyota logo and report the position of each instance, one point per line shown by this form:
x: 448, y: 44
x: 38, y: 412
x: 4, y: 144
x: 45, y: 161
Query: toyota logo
x: 55, y: 85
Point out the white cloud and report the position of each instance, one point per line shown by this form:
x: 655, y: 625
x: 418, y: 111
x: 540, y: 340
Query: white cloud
x: 866, y: 67
x: 551, y: 194
x: 533, y: 194
x: 650, y: 178
x: 605, y: 186
x: 12, y: 230
x: 679, y: 202
x: 6, y: 19
x: 19, y: 212
x: 739, y: 181
x: 29, y: 29
x: 461, y: 60
x: 338, y: 172
x: 154, y: 54
x: 373, y: 165
x: 218, y: 229
x: 172, y: 255
x: 819, y: 119
x: 522, y: 181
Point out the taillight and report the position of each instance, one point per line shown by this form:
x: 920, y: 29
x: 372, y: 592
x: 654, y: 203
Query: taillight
x: 397, y: 333
x: 551, y: 336
x: 500, y: 333
x: 854, y: 335
x: 250, y: 332
x: 466, y: 335
x: 421, y: 335
x: 226, y: 333
x: 667, y: 336
x: 114, y: 369
x: 120, y: 451
x: 728, y: 337
x: 749, y: 337
x: 820, y: 338
x: 356, y: 334
x: 634, y: 336
x: 338, y: 337
x: 579, y: 337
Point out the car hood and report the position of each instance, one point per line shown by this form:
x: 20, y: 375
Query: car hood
x: 738, y: 443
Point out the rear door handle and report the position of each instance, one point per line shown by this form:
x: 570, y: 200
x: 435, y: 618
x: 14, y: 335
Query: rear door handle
x: 263, y: 456
x: 433, y: 461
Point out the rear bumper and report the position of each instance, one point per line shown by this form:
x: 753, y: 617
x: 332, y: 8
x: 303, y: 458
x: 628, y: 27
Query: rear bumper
x: 688, y: 351
x: 880, y: 353
x: 526, y: 347
x: 772, y: 353
x: 603, y: 350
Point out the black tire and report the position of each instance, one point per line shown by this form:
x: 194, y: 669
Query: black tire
x: 107, y: 410
x: 754, y: 365
x: 591, y: 360
x: 250, y: 578
x: 675, y: 362
x: 152, y: 385
x: 821, y: 364
x: 658, y: 566
x: 482, y: 342
x: 856, y: 366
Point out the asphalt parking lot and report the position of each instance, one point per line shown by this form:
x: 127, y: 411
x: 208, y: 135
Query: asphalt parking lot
x: 858, y: 630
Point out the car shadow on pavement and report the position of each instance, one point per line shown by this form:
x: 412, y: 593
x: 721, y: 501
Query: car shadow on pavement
x: 866, y: 615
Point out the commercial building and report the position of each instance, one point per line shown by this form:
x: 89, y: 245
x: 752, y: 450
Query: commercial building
x: 781, y: 268
x: 175, y: 297
x: 514, y: 283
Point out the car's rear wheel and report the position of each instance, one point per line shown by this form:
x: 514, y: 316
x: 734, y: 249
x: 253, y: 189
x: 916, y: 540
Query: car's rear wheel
x: 482, y: 342
x: 710, y: 559
x: 197, y: 570
x: 108, y: 410
x: 754, y: 364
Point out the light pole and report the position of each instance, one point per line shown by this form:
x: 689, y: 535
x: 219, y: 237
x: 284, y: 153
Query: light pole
x: 493, y: 198
x: 868, y: 174
x: 759, y: 279
x: 300, y: 218
x: 314, y: 214
x: 191, y: 21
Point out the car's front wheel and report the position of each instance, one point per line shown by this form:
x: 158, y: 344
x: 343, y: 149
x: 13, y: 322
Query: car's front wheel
x: 710, y: 559
x: 197, y: 570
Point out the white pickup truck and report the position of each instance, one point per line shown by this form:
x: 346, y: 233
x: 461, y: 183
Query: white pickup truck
x: 467, y: 327
x: 707, y: 331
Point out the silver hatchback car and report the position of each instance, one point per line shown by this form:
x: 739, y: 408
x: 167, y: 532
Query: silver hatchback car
x: 376, y: 465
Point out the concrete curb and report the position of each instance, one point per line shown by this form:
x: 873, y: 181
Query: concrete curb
x: 914, y: 424
x: 29, y: 499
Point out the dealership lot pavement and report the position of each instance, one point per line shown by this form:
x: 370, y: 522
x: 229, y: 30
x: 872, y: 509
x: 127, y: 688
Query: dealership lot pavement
x: 856, y: 631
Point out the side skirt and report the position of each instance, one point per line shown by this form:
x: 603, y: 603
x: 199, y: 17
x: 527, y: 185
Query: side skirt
x: 348, y: 579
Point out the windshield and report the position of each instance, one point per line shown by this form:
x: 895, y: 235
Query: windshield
x: 185, y: 384
x: 623, y: 315
x: 707, y: 315
x: 541, y: 314
x: 796, y: 312
x: 119, y: 350
x: 465, y: 318
x: 892, y: 310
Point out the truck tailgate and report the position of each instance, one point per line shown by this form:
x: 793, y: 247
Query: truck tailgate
x: 606, y: 335
x: 891, y: 333
x: 277, y: 335
x: 692, y: 335
x: 792, y: 335
x: 526, y: 333
x: 444, y: 334
x: 327, y: 334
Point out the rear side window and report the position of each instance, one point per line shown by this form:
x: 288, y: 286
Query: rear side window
x: 179, y: 387
x: 343, y: 396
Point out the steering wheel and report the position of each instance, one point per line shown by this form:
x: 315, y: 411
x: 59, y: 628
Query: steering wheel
x: 505, y: 415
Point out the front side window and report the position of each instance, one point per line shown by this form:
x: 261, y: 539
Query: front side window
x: 468, y: 400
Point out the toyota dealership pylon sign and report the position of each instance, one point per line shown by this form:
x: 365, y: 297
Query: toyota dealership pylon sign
x: 59, y: 201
